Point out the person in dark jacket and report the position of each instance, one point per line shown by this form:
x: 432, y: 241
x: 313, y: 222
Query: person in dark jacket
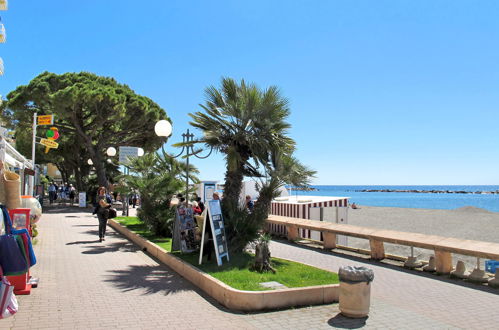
x: 103, y: 204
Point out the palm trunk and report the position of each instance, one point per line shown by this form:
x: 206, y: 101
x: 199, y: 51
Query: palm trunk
x: 233, y: 186
x: 232, y: 190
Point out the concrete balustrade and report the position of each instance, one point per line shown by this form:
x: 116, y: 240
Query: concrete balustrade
x: 443, y: 246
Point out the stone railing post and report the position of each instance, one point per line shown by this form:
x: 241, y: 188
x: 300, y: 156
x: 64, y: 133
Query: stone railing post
x: 329, y: 240
x: 377, y: 249
x: 443, y: 262
x: 292, y: 232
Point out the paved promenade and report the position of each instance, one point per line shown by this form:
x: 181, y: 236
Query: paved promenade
x: 85, y: 284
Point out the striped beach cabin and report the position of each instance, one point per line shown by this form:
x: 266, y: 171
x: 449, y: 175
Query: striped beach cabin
x: 302, y: 207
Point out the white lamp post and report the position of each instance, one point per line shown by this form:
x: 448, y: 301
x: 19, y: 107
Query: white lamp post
x: 90, y: 162
x: 164, y: 128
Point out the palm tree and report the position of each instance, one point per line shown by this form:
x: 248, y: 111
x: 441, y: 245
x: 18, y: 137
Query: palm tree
x: 248, y: 125
x: 244, y: 123
x: 157, y: 179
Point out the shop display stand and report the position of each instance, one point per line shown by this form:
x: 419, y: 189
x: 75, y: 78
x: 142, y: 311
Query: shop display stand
x: 22, y: 283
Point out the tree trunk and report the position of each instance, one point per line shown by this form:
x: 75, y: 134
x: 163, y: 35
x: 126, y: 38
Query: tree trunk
x: 233, y: 185
x: 78, y: 181
x: 95, y: 153
x: 262, y: 258
x: 100, y: 170
x: 232, y: 189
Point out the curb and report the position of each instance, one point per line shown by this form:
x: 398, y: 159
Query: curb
x: 233, y: 299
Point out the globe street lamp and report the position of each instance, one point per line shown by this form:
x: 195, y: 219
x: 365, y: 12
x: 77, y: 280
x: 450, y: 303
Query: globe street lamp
x: 164, y: 128
x: 90, y: 162
x: 111, y: 151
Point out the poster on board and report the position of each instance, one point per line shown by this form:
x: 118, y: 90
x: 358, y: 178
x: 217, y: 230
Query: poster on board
x: 184, y: 230
x: 216, y: 223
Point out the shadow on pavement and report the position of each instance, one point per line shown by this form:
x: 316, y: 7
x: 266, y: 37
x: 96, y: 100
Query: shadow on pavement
x: 65, y: 209
x: 105, y: 247
x: 343, y: 322
x: 151, y: 279
x: 367, y: 260
x: 82, y: 242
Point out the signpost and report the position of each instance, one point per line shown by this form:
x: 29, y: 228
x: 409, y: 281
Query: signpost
x: 214, y: 217
x: 49, y: 143
x: 39, y: 121
x: 46, y: 120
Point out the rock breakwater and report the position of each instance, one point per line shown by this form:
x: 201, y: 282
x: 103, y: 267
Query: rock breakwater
x: 431, y: 191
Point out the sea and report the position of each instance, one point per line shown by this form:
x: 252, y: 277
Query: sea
x: 443, y: 201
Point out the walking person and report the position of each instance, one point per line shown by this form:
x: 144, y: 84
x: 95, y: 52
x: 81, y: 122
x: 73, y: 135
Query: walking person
x: 249, y: 204
x: 134, y: 199
x: 72, y: 194
x: 52, y: 192
x: 103, y: 204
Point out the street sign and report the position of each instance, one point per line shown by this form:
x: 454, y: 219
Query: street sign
x: 126, y: 153
x: 46, y: 120
x: 49, y: 143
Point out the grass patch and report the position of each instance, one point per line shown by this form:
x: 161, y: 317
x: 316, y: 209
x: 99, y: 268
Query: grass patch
x: 137, y: 226
x: 236, y: 273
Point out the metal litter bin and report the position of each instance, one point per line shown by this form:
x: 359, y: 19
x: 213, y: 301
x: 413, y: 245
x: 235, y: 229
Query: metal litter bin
x: 355, y: 290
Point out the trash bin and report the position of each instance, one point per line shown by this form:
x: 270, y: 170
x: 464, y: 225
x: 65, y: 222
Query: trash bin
x: 355, y: 291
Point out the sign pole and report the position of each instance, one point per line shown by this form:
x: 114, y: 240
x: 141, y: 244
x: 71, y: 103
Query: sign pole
x: 32, y: 178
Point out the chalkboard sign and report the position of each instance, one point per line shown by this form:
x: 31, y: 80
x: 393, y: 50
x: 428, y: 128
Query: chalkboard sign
x: 216, y: 221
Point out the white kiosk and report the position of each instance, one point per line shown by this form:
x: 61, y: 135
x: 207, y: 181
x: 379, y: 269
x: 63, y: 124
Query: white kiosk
x: 205, y: 190
x: 321, y: 208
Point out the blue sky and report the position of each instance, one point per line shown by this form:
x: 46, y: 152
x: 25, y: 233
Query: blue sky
x: 381, y: 92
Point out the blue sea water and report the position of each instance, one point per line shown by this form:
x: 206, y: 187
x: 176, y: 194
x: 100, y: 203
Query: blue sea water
x: 445, y: 201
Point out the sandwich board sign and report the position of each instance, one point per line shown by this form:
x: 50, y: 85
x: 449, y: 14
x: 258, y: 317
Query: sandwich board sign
x: 213, y: 216
x: 183, y: 230
x: 82, y: 199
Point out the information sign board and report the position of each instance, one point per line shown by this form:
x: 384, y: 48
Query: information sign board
x: 45, y: 120
x: 209, y: 189
x: 126, y: 153
x: 49, y: 143
x: 216, y: 222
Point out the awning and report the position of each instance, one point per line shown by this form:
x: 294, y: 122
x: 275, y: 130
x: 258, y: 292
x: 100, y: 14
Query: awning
x: 12, y: 161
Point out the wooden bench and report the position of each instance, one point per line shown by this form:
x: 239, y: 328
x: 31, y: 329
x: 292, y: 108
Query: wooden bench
x: 443, y: 246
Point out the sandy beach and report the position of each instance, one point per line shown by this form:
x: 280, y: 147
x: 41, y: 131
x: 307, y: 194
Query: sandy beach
x: 467, y: 223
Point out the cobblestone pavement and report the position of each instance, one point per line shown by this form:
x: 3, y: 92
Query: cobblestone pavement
x: 85, y: 284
